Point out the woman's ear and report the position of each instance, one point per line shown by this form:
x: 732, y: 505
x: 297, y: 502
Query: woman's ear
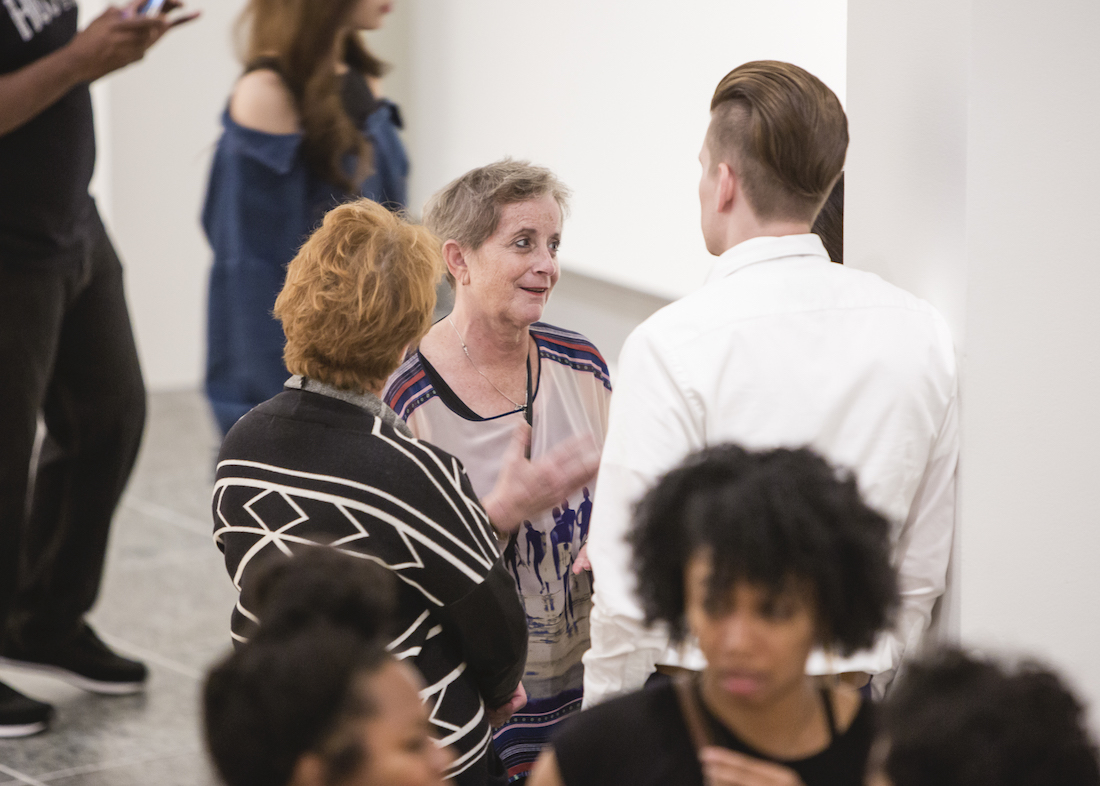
x: 455, y: 258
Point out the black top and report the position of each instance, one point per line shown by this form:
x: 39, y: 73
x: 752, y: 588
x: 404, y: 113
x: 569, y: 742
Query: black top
x: 46, y: 215
x: 641, y: 740
x: 317, y: 466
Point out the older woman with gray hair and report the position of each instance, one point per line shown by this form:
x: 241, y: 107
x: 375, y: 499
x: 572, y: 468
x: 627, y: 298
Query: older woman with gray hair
x: 491, y: 375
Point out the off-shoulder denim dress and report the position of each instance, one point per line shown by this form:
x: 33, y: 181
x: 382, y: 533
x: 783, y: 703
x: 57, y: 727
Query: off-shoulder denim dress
x: 262, y: 202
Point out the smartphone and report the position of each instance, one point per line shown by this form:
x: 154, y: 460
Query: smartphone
x: 151, y: 7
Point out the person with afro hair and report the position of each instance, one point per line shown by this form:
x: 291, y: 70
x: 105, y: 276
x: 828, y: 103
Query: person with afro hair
x: 958, y: 719
x: 760, y: 557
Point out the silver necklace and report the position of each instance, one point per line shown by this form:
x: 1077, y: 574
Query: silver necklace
x: 507, y: 398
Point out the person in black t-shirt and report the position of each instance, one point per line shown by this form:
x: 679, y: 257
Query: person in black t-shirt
x: 761, y: 557
x: 66, y: 348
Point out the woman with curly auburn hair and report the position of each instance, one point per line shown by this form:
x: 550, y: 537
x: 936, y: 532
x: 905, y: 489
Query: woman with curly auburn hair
x: 306, y: 128
x: 356, y: 296
x: 760, y: 556
x: 326, y: 462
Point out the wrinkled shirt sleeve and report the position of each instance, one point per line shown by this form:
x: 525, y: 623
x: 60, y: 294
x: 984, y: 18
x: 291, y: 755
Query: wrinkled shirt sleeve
x: 654, y: 422
x: 923, y: 549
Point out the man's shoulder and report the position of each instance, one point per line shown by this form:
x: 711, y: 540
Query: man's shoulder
x: 875, y: 290
x: 906, y: 311
x: 763, y: 293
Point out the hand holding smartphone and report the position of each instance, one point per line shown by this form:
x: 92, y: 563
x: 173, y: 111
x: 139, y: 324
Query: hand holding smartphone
x: 150, y: 7
x: 158, y: 11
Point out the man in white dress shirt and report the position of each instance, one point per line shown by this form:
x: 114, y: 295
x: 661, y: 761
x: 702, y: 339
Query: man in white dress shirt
x: 780, y: 347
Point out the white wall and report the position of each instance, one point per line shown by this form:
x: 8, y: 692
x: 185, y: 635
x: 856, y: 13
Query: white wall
x: 1031, y: 537
x: 611, y: 95
x: 906, y: 173
x: 157, y: 123
x: 971, y: 181
x: 905, y: 187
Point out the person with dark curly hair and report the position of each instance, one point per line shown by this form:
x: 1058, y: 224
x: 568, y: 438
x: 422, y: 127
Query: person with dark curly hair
x: 760, y: 556
x: 958, y: 719
x: 314, y: 698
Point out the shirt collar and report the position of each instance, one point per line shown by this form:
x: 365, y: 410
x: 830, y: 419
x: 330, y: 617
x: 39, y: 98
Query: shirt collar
x: 765, y: 249
x: 368, y: 401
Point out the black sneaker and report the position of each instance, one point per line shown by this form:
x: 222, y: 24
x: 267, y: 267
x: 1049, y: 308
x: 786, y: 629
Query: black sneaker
x: 21, y: 716
x: 87, y: 663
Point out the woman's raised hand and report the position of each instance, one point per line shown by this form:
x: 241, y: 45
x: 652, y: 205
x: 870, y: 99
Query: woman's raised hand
x: 526, y: 488
x: 723, y: 767
x: 582, y: 563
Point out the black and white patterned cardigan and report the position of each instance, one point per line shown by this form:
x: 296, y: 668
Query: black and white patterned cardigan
x: 316, y: 465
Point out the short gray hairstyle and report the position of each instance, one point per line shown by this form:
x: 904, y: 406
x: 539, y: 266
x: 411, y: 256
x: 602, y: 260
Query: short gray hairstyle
x: 468, y: 209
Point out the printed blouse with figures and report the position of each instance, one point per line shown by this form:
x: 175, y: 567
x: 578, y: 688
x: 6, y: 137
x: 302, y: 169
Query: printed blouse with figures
x: 571, y: 399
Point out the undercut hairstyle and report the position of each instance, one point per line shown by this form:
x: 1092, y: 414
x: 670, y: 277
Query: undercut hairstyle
x: 299, y: 36
x: 778, y: 519
x: 360, y: 290
x: 960, y: 720
x: 829, y: 224
x: 783, y: 132
x: 468, y: 209
x: 300, y: 684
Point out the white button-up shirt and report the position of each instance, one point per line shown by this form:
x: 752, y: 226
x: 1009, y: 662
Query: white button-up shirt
x: 781, y: 347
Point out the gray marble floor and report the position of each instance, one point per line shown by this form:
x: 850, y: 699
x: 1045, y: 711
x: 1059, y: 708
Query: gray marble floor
x: 166, y: 599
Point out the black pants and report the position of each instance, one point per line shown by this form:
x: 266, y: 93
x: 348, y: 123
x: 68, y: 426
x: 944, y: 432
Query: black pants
x: 66, y: 351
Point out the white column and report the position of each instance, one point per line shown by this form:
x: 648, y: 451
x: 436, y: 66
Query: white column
x: 1031, y: 507
x: 972, y: 182
x: 162, y: 120
x: 905, y: 182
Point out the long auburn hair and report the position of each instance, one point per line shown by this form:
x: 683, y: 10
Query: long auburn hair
x: 303, y: 36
